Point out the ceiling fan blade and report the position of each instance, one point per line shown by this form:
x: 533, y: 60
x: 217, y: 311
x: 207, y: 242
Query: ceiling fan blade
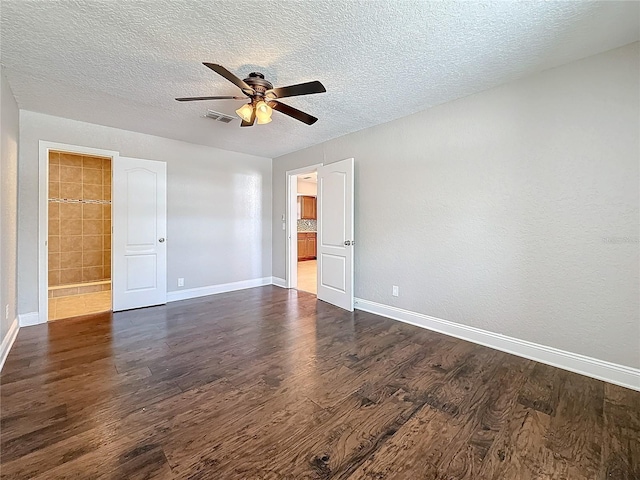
x: 220, y: 70
x: 250, y: 122
x: 293, y: 112
x: 295, y: 90
x: 193, y: 99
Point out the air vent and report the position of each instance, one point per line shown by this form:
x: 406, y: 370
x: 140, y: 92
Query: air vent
x: 219, y: 117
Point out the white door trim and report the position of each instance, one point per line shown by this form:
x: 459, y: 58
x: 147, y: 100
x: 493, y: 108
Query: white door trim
x: 291, y: 234
x: 43, y: 213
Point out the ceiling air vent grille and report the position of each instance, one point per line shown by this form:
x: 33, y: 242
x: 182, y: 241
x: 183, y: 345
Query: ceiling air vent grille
x: 219, y: 117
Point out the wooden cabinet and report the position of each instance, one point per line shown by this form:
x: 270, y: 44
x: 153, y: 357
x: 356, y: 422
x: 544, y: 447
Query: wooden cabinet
x: 306, y: 245
x: 307, y: 207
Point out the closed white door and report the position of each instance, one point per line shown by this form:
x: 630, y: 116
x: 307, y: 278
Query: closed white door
x: 335, y: 233
x: 139, y: 208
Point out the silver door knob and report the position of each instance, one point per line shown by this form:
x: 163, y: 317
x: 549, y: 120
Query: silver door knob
x: 347, y: 243
x: 161, y: 240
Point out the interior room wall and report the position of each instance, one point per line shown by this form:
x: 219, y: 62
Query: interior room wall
x: 9, y: 139
x: 515, y: 210
x: 218, y: 213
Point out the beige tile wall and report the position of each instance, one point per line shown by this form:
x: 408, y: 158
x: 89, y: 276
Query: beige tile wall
x: 79, y: 232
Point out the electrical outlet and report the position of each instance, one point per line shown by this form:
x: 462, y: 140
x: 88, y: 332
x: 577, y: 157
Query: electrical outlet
x: 394, y: 291
x: 6, y: 312
x: 181, y: 282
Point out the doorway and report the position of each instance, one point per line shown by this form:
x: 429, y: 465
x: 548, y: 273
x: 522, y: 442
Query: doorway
x: 307, y: 231
x: 334, y: 240
x: 78, y: 234
x: 125, y: 266
x: 302, y: 231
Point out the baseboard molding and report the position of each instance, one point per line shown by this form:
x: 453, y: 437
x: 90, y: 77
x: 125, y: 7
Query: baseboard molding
x: 279, y: 282
x: 7, y: 342
x: 609, y: 372
x: 214, y: 289
x: 30, y: 319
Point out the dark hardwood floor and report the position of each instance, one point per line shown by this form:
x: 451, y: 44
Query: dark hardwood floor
x: 270, y: 384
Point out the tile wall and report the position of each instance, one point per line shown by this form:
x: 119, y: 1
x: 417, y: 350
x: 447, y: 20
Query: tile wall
x: 79, y: 219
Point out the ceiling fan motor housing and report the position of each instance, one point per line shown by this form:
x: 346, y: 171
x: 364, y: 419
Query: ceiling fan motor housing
x: 256, y: 81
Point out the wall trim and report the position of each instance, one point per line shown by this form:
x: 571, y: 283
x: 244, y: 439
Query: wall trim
x: 279, y: 282
x: 215, y: 289
x: 592, y: 367
x: 30, y: 319
x: 7, y: 341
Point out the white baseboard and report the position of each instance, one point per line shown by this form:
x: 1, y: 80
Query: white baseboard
x: 609, y: 372
x: 279, y: 282
x: 7, y: 342
x: 29, y: 319
x: 214, y: 289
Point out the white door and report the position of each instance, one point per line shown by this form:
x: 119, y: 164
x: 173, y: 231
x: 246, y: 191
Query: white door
x: 335, y: 233
x: 139, y: 209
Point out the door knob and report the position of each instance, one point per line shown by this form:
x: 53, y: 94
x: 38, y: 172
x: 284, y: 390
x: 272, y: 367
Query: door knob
x: 161, y: 240
x: 347, y: 243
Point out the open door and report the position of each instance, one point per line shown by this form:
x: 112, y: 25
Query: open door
x: 139, y: 230
x: 335, y: 233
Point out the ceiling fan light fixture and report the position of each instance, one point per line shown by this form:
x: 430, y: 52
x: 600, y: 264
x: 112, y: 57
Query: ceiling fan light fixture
x: 262, y: 97
x: 245, y: 112
x: 263, y: 112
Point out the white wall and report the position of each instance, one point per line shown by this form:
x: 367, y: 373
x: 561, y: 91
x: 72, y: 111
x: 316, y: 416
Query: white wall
x: 9, y: 138
x: 307, y: 188
x: 515, y: 210
x: 219, y: 203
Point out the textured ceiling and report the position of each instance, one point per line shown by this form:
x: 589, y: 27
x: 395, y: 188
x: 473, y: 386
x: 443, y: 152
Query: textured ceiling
x: 121, y: 63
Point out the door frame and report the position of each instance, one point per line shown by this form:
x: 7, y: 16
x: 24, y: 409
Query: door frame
x: 291, y: 268
x: 43, y: 213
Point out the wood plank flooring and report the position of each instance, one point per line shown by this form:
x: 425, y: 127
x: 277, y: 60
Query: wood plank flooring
x: 268, y: 383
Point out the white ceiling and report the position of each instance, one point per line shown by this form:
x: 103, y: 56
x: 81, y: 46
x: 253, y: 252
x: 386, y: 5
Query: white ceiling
x: 121, y: 63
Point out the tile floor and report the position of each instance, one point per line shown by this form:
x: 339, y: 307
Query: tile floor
x: 76, y: 305
x: 307, y: 279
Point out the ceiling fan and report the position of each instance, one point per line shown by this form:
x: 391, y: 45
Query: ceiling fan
x: 263, y: 97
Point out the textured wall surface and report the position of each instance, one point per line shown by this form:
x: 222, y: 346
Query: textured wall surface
x: 9, y: 138
x: 218, y: 203
x: 515, y: 210
x: 121, y: 63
